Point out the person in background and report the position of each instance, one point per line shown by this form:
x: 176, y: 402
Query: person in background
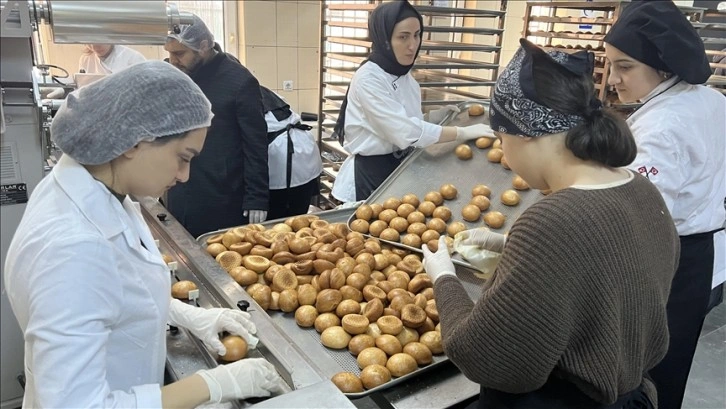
x: 107, y: 58
x: 293, y: 158
x: 658, y: 60
x: 380, y: 120
x: 574, y: 315
x: 229, y: 182
x: 84, y: 278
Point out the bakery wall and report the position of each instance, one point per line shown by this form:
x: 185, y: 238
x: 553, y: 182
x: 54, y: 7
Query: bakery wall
x: 276, y: 40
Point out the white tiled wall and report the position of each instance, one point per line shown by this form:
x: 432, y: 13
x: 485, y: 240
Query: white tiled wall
x: 282, y: 39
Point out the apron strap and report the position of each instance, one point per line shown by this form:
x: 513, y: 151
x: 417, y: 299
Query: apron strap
x: 271, y: 136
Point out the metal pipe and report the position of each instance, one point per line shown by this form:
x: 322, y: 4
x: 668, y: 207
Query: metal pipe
x: 113, y: 22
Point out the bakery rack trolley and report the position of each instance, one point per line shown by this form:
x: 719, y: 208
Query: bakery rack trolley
x: 459, y: 61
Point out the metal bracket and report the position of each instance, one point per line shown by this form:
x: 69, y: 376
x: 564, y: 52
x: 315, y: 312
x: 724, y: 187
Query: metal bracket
x: 10, y: 28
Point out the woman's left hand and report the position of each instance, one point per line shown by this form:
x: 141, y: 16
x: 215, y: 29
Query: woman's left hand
x: 207, y: 323
x: 438, y: 264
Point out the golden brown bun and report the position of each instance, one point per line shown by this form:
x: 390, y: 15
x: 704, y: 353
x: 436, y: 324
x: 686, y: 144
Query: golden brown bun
x: 510, y: 197
x: 180, y: 290
x: 476, y: 110
x: 347, y: 382
x: 236, y: 348
x: 463, y: 152
x: 401, y: 364
x: 374, y: 375
x: 483, y: 143
x: 494, y: 219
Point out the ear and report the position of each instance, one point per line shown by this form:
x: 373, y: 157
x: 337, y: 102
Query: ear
x: 132, y: 153
x: 204, y: 45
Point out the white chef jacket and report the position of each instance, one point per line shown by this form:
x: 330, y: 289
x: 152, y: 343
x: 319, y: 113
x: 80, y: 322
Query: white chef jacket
x: 681, y: 138
x: 91, y: 300
x: 383, y: 116
x: 306, y: 162
x: 119, y: 58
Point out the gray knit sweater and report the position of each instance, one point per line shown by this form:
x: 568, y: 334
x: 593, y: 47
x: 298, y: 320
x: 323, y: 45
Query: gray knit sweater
x: 580, y: 291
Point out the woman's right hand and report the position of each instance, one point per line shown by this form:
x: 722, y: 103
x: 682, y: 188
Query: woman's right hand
x: 246, y: 378
x: 476, y: 131
x: 483, y: 238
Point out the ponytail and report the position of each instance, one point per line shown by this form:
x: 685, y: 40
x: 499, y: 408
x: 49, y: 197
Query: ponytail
x: 602, y: 136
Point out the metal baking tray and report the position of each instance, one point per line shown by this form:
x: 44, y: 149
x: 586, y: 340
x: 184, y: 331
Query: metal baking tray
x: 427, y: 169
x: 330, y: 361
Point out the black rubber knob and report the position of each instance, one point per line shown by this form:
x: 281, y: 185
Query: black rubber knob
x: 161, y: 217
x: 243, y: 305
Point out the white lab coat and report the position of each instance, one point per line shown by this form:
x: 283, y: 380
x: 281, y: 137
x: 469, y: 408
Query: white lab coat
x: 383, y: 116
x: 119, y: 58
x: 681, y: 138
x: 91, y: 300
x: 306, y: 162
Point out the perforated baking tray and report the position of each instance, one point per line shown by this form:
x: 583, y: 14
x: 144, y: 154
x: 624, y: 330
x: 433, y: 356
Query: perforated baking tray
x: 329, y: 361
x: 427, y: 169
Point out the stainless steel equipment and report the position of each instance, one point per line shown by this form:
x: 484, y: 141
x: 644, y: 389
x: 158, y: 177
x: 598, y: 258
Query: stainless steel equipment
x: 439, y: 386
x: 462, y: 174
x: 25, y: 140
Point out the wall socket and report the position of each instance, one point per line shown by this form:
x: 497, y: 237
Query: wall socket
x: 287, y: 85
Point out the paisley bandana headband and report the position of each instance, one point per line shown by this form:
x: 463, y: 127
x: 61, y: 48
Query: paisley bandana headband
x: 514, y: 109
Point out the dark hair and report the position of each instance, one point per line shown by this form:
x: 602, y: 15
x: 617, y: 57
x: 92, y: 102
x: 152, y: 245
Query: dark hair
x: 603, y: 136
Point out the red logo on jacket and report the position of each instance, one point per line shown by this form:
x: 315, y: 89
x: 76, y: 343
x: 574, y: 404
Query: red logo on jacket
x: 647, y: 172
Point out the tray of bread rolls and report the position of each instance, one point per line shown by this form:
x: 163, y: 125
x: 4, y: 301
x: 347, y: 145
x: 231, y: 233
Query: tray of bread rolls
x: 444, y: 189
x: 361, y: 310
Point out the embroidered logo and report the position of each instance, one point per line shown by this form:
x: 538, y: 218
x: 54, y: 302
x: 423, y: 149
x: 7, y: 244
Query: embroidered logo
x: 647, y: 172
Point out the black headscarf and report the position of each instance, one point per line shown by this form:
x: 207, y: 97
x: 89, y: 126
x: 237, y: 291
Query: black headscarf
x: 380, y: 30
x: 657, y: 34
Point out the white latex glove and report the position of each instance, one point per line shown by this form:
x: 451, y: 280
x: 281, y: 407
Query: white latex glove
x: 255, y: 216
x: 435, y: 116
x: 246, y: 378
x: 438, y: 264
x: 467, y: 133
x: 483, y: 238
x: 206, y: 324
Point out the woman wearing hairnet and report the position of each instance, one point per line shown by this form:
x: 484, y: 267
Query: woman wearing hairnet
x: 658, y: 59
x: 574, y: 316
x: 83, y: 275
x: 380, y: 120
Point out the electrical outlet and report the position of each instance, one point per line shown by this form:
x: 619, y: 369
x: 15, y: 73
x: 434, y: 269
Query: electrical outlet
x: 287, y: 85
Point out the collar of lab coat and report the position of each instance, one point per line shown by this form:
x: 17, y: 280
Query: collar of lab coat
x: 92, y: 198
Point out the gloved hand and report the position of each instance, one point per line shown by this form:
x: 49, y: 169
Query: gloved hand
x: 206, y: 324
x: 483, y: 238
x: 467, y: 133
x: 246, y: 378
x: 438, y: 264
x: 435, y: 116
x: 255, y: 216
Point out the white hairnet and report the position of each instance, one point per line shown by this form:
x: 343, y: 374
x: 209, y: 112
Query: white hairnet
x: 192, y: 35
x: 148, y: 100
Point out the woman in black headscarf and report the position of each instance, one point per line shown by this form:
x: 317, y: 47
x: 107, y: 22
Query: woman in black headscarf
x: 381, y: 119
x: 659, y: 60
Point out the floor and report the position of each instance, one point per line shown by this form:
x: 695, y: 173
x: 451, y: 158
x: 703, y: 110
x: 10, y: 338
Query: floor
x: 707, y: 381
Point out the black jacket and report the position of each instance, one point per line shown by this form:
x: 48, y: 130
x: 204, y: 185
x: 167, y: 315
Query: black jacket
x: 230, y: 175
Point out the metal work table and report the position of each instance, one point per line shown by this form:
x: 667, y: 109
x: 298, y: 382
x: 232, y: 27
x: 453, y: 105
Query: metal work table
x: 441, y: 388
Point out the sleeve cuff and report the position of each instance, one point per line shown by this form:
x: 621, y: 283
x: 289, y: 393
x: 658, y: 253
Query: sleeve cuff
x: 147, y: 396
x: 430, y: 134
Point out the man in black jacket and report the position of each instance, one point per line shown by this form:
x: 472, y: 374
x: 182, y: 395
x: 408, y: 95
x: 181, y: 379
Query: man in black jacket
x: 228, y: 183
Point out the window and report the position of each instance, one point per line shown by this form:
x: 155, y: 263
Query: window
x: 221, y: 18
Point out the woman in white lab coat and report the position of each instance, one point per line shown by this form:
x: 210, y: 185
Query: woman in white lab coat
x: 658, y: 60
x: 380, y: 120
x: 108, y: 58
x: 84, y: 278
